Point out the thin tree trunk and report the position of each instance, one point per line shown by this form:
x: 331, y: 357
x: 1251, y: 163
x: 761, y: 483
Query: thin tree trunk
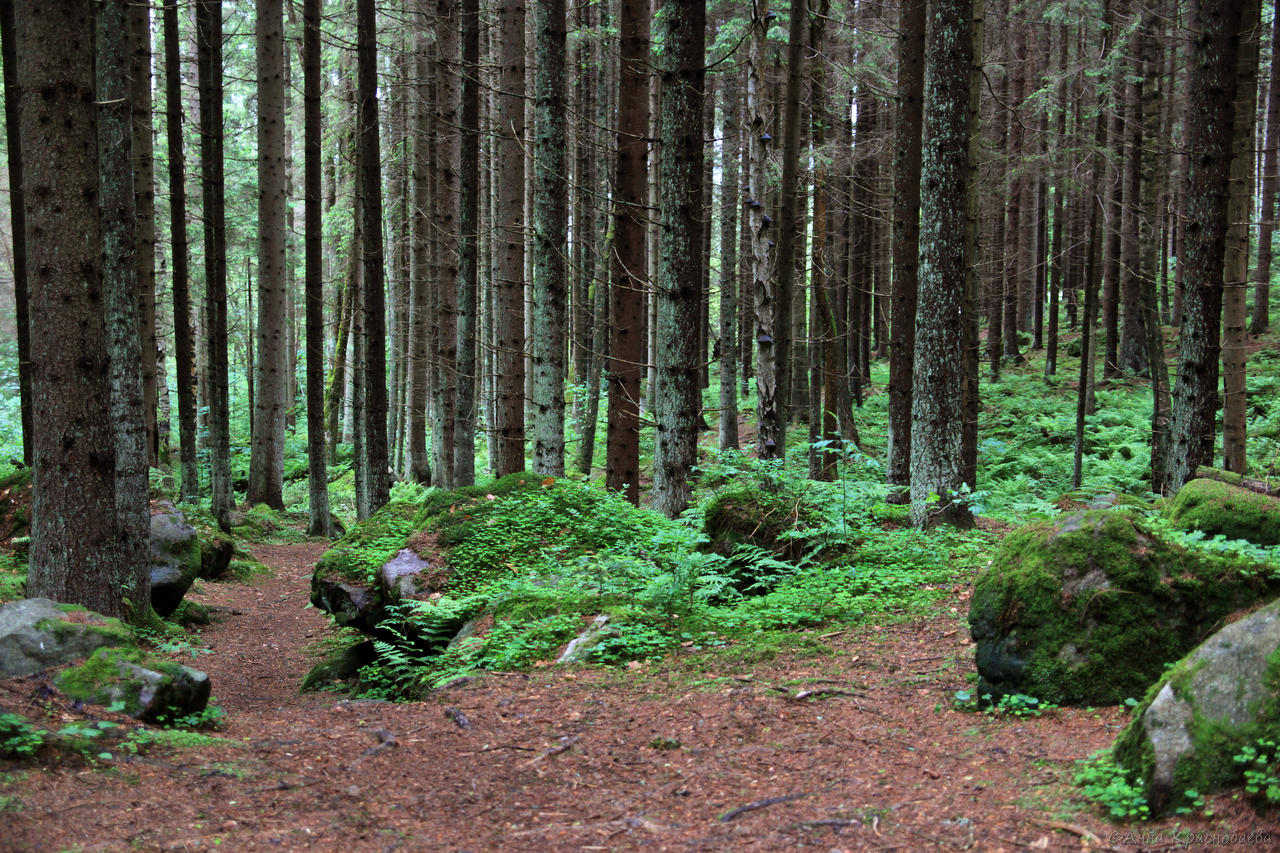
x: 906, y: 239
x: 17, y: 217
x: 550, y: 224
x: 770, y: 429
x: 139, y: 94
x: 1270, y: 191
x: 209, y: 27
x: 730, y: 199
x: 317, y: 473
x: 509, y: 300
x: 371, y: 406
x: 464, y: 431
x: 1236, y: 263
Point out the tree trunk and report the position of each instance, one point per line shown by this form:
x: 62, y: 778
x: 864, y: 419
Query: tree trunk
x: 1270, y: 190
x: 143, y: 168
x: 937, y: 406
x: 629, y: 274
x: 1236, y: 262
x: 317, y: 474
x: 184, y: 339
x: 770, y: 429
x: 371, y: 407
x: 550, y: 224
x: 17, y: 217
x: 509, y: 307
x: 678, y: 405
x: 906, y: 238
x: 464, y: 431
x: 74, y: 556
x: 212, y: 183
x: 1211, y: 101
x: 730, y: 199
x: 271, y: 373
x: 120, y: 274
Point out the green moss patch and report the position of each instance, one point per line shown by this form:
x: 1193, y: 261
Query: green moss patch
x: 1221, y: 508
x: 357, y: 556
x: 1089, y: 609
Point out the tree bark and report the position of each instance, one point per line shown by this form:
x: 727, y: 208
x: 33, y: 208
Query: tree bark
x: 1270, y: 191
x: 184, y: 338
x: 678, y: 405
x: 629, y: 268
x: 937, y: 407
x: 17, y: 218
x: 550, y: 234
x: 271, y: 374
x: 1211, y: 101
x: 464, y: 430
x: 1236, y: 262
x: 317, y: 473
x: 213, y: 187
x: 371, y: 407
x: 906, y: 237
x: 509, y: 282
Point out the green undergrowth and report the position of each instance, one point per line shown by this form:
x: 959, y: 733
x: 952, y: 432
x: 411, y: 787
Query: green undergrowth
x: 535, y: 563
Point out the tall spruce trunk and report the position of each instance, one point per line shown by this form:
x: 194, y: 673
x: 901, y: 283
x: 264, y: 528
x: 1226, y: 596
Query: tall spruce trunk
x: 317, y: 474
x: 371, y: 404
x: 271, y: 373
x: 1236, y: 263
x: 509, y: 216
x: 183, y: 333
x: 1270, y: 192
x: 464, y: 430
x: 937, y: 407
x: 550, y: 234
x: 1211, y: 101
x: 629, y: 275
x: 906, y: 240
x: 678, y: 405
x: 213, y: 188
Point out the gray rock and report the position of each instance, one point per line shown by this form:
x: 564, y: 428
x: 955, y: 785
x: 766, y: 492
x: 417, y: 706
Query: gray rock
x: 1219, y: 698
x: 176, y: 558
x: 351, y: 604
x: 155, y: 691
x: 36, y: 634
x: 580, y: 648
x: 400, y: 576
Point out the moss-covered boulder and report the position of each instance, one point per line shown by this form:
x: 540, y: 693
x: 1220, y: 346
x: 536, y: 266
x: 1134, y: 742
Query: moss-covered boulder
x: 345, y: 581
x: 36, y: 634
x: 151, y: 690
x: 1089, y: 609
x: 1221, y: 508
x: 1218, y: 700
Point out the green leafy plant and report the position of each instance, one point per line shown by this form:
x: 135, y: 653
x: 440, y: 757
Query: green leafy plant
x: 1010, y: 704
x: 1109, y: 785
x: 1259, y: 763
x: 18, y: 738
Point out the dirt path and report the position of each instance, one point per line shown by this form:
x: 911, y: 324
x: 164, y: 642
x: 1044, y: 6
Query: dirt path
x: 660, y: 757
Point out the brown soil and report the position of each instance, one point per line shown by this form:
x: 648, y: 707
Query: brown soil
x: 855, y: 749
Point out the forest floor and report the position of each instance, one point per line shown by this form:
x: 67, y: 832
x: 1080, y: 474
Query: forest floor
x: 858, y: 747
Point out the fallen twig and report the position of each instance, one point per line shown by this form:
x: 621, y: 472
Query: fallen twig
x: 824, y: 692
x: 733, y: 814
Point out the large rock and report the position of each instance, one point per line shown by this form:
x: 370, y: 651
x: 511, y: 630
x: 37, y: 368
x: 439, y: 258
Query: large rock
x: 36, y: 634
x: 345, y: 582
x: 176, y: 557
x: 1089, y: 609
x: 1220, y: 508
x: 1223, y: 696
x: 152, y: 691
